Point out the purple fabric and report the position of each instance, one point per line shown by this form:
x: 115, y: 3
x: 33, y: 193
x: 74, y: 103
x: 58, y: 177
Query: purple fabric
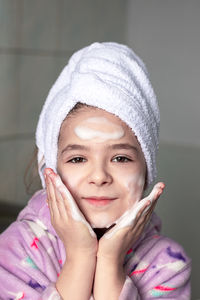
x: 32, y: 256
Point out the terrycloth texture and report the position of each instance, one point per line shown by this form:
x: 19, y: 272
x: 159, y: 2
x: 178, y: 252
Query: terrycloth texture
x: 108, y: 76
x: 32, y: 255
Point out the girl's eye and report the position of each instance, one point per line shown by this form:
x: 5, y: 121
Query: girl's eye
x: 121, y: 159
x: 76, y: 160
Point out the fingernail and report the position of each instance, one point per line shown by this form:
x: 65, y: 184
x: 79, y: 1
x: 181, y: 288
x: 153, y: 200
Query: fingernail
x: 48, y: 171
x: 163, y: 185
x: 51, y: 176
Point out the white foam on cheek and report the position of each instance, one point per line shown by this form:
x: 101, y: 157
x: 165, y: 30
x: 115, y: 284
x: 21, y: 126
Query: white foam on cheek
x: 135, y: 179
x: 112, y: 132
x: 75, y: 212
x: 134, y: 184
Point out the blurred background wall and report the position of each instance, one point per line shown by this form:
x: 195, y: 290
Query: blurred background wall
x: 37, y: 38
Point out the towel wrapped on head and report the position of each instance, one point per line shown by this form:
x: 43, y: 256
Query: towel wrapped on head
x: 109, y: 76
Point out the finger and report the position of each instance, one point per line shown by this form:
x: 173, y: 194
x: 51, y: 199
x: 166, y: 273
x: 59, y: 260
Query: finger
x: 71, y: 207
x: 151, y: 198
x: 48, y: 195
x: 69, y: 202
x: 61, y: 188
x: 145, y: 208
x: 149, y: 212
x: 52, y: 196
x: 140, y: 218
x: 145, y: 212
x: 47, y: 189
x: 143, y: 217
x: 156, y: 191
x: 60, y: 203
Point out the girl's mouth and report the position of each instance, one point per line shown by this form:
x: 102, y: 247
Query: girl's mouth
x: 99, y: 201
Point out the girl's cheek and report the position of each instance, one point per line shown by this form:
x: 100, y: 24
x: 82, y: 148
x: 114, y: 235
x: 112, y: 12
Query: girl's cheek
x: 71, y: 181
x: 134, y: 185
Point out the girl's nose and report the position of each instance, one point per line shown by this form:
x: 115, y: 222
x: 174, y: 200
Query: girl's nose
x: 99, y: 175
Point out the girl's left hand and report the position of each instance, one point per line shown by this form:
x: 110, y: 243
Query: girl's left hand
x: 114, y: 248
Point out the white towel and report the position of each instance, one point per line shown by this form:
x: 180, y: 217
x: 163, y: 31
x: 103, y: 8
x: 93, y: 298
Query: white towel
x: 108, y: 76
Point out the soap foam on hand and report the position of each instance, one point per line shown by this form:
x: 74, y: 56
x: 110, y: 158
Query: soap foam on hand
x: 128, y: 218
x: 75, y: 212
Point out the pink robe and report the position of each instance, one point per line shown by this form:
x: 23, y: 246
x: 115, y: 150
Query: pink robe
x: 32, y: 255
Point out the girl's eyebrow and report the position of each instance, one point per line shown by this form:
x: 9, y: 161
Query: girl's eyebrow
x: 74, y: 147
x: 121, y: 146
x: 124, y: 146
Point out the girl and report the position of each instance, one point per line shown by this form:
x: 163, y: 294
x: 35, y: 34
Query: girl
x: 88, y: 234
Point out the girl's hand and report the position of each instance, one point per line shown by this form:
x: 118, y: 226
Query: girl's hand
x: 68, y: 221
x: 114, y: 245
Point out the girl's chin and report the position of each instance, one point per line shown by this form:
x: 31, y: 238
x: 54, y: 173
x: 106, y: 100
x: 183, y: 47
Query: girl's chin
x: 103, y: 220
x: 102, y: 225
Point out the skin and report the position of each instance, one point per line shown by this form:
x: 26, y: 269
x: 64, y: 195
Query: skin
x: 99, y: 170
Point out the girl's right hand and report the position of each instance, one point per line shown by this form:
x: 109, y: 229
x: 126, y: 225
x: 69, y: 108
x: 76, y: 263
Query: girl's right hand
x: 68, y: 221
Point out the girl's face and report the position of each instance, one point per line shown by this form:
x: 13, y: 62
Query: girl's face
x: 101, y: 163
